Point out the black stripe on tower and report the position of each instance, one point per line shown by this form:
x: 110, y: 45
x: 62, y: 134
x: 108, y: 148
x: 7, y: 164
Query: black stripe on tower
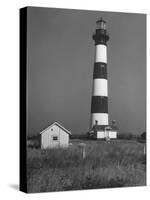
x: 99, y: 104
x: 100, y: 70
x: 101, y: 37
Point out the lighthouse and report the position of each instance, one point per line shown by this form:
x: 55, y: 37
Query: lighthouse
x: 99, y: 124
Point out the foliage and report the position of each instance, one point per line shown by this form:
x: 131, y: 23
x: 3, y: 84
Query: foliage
x: 127, y: 136
x: 143, y: 136
x: 78, y: 136
x: 34, y: 141
x: 114, y: 164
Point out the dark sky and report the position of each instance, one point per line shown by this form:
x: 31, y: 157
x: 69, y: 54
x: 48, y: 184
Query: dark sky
x: 60, y: 68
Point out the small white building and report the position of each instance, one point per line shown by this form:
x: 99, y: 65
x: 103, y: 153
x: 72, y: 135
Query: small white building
x: 55, y: 136
x: 104, y: 132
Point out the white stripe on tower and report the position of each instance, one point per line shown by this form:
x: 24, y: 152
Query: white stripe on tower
x: 99, y: 105
x: 101, y: 118
x: 101, y: 53
x: 100, y: 87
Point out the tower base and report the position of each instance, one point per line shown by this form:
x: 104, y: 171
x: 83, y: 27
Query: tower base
x: 99, y: 118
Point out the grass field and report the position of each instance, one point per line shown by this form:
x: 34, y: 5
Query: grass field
x: 114, y: 164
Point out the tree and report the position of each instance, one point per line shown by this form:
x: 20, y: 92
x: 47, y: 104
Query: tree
x: 143, y: 136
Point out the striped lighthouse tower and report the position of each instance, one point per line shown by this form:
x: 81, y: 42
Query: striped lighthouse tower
x: 99, y: 104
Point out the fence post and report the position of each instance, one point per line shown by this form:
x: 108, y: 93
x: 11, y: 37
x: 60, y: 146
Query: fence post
x: 83, y: 152
x: 82, y: 145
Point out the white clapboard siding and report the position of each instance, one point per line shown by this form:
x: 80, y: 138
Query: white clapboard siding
x: 100, y: 134
x: 112, y: 134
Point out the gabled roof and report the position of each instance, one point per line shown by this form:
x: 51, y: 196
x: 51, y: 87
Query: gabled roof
x: 57, y: 124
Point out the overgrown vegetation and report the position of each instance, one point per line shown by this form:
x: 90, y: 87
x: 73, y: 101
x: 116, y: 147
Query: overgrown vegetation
x: 127, y: 136
x: 114, y: 164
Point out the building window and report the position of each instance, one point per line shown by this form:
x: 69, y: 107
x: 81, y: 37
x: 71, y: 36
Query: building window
x: 55, y: 138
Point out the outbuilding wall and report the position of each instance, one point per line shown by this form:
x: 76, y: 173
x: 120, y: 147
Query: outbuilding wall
x: 113, y: 134
x: 100, y: 134
x: 103, y: 134
x: 54, y: 131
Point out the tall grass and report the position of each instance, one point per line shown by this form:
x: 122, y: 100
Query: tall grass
x: 115, y: 164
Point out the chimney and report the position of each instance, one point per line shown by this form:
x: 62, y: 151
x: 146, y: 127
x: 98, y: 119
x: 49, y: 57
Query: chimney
x: 113, y: 122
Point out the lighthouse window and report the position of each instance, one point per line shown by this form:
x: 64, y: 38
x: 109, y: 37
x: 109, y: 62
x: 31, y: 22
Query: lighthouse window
x: 102, y: 41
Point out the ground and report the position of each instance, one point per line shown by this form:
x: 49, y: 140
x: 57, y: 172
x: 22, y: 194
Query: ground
x: 115, y: 164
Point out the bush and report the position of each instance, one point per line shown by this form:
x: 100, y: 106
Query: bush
x: 34, y: 141
x: 78, y: 136
x: 143, y: 136
x: 126, y: 136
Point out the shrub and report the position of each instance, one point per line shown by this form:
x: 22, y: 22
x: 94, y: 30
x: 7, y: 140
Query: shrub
x: 143, y: 136
x: 126, y: 136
